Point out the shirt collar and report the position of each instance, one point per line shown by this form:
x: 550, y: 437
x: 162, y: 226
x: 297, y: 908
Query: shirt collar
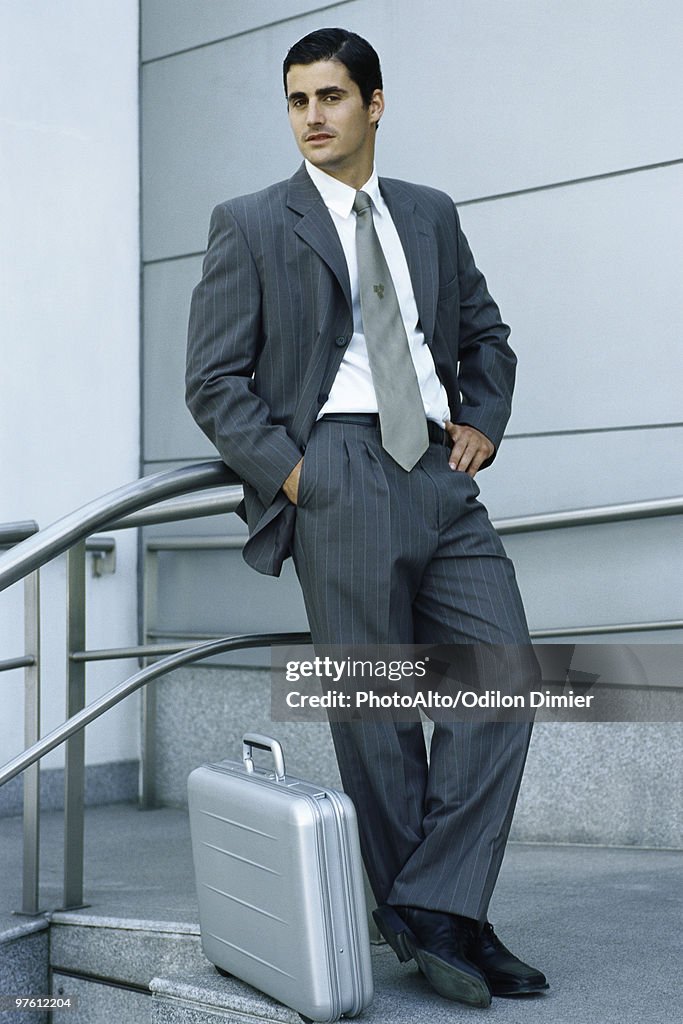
x: 339, y: 197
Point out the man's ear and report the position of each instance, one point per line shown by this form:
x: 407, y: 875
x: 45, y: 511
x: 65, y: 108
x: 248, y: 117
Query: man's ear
x: 376, y: 106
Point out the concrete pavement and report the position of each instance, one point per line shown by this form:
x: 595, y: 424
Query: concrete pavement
x: 603, y: 923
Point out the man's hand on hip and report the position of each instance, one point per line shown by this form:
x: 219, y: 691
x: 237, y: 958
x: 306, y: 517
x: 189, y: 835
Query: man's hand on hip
x: 291, y: 484
x: 470, y: 448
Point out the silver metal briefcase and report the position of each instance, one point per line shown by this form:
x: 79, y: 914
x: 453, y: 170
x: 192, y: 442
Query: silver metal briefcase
x: 280, y: 885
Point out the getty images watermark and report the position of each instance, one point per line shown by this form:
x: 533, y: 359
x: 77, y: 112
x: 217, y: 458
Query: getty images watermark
x: 479, y: 682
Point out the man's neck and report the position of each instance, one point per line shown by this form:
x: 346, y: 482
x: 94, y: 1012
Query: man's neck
x: 354, y: 177
x: 337, y: 195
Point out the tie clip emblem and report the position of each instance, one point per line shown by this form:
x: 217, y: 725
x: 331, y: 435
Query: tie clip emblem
x: 379, y: 288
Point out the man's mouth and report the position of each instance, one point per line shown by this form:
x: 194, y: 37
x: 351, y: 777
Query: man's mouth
x: 318, y: 137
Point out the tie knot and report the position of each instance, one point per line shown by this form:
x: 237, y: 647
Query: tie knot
x: 361, y: 203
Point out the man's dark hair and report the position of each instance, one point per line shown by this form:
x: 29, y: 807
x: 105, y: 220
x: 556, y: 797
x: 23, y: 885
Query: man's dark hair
x: 351, y: 50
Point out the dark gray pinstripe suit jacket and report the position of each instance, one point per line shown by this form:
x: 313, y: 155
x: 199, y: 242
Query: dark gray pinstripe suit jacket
x: 271, y: 318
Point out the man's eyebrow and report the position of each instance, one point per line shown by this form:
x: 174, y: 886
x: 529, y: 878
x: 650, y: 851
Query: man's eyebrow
x: 321, y: 93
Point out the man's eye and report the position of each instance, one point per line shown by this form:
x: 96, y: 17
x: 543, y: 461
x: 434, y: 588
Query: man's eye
x: 331, y: 98
x: 297, y: 103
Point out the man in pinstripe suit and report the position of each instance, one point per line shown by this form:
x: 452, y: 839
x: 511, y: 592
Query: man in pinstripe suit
x: 279, y: 366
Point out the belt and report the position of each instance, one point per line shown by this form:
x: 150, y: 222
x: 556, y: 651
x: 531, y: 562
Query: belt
x: 371, y: 419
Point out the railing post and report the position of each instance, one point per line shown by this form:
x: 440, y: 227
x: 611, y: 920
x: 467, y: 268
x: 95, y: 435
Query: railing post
x: 74, y: 764
x: 31, y: 869
x: 150, y: 579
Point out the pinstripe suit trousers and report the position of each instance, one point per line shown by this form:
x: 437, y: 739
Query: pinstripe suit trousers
x: 384, y: 556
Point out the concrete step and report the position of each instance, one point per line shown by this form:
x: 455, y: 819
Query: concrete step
x: 604, y: 924
x: 23, y: 962
x: 201, y: 996
x: 96, y: 1002
x: 124, y: 950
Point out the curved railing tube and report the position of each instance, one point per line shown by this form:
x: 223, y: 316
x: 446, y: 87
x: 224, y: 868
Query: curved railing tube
x: 218, y: 501
x: 98, y: 514
x: 135, y: 682
x: 127, y: 507
x: 622, y: 513
x: 14, y: 533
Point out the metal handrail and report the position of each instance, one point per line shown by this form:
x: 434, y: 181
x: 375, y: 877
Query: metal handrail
x: 226, y: 500
x: 124, y: 689
x: 169, y: 497
x: 103, y: 511
x: 607, y: 628
x: 217, y: 502
x: 12, y: 663
x: 567, y: 519
x: 602, y: 629
x: 122, y: 508
x: 23, y: 561
x: 624, y: 512
x: 13, y: 533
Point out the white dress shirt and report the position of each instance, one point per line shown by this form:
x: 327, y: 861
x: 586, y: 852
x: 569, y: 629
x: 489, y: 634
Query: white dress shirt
x: 353, y: 390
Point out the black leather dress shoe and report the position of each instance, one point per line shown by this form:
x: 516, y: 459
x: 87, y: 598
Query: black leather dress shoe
x: 506, y: 974
x: 439, y: 944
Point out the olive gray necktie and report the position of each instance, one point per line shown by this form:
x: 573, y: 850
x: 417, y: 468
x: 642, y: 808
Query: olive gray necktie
x: 399, y: 402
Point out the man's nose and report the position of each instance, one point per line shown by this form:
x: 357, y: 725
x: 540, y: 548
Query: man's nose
x: 315, y: 113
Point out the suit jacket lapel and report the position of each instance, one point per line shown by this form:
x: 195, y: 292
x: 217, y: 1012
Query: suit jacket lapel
x: 417, y: 237
x: 419, y: 245
x: 316, y: 226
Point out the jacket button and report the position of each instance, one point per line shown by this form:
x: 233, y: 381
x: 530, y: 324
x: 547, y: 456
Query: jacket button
x: 340, y: 342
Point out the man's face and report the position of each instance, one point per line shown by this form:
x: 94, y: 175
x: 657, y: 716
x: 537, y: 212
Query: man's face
x: 331, y: 126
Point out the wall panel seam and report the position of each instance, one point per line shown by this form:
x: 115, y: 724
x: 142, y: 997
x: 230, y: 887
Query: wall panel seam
x: 173, y: 259
x: 485, y: 199
x: 572, y: 432
x: 245, y: 32
x: 575, y: 431
x: 571, y: 181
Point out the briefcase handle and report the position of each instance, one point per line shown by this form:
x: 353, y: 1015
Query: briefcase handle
x: 255, y: 739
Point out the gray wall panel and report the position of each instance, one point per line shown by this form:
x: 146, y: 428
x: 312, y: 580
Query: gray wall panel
x: 546, y: 474
x: 589, y: 278
x: 490, y: 97
x: 169, y: 430
x: 536, y: 474
x: 637, y: 462
x: 210, y: 130
x: 482, y: 99
x: 605, y: 575
x: 613, y: 573
x: 221, y: 593
x: 616, y: 573
x: 226, y: 524
x: 502, y: 97
x: 171, y: 25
